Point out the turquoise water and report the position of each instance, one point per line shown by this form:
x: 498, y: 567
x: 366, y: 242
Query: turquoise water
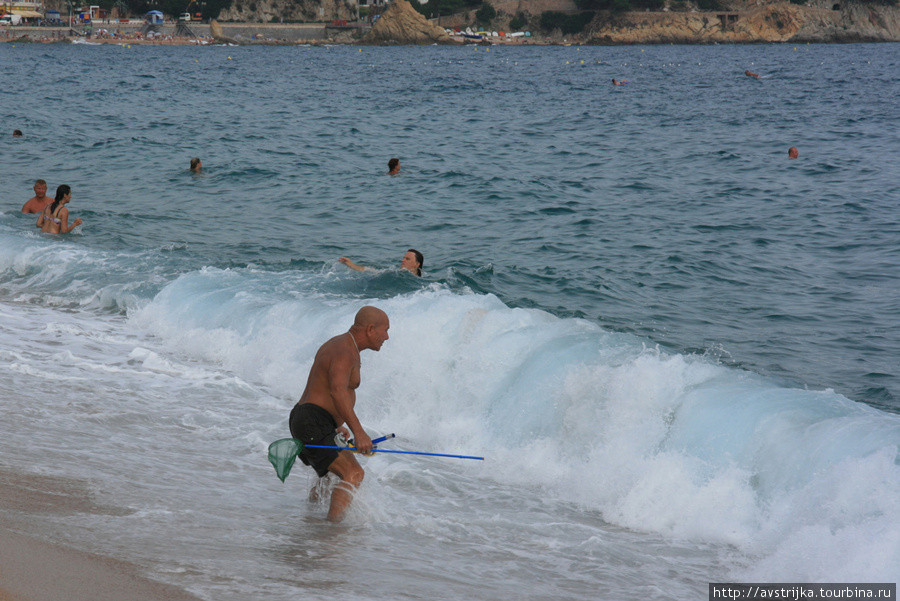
x: 676, y: 348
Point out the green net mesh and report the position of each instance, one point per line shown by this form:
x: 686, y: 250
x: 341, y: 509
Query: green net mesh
x: 282, y: 454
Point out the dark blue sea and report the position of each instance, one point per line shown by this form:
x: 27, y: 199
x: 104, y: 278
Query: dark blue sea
x: 677, y: 349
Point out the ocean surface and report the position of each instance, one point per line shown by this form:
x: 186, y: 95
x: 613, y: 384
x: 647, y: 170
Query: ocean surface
x: 677, y: 350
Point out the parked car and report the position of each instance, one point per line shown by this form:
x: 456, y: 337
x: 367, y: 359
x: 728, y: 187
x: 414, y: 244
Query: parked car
x: 11, y: 20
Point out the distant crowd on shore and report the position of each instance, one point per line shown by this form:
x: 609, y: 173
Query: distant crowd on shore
x: 104, y: 35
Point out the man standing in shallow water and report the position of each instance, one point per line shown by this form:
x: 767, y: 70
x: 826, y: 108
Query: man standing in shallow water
x: 328, y: 403
x: 40, y: 200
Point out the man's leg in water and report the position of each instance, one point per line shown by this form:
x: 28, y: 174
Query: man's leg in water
x: 351, y: 474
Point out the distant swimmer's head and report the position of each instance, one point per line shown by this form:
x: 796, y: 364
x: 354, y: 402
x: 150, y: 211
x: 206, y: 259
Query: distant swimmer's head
x: 394, y: 166
x: 17, y: 133
x: 793, y: 153
x: 196, y: 164
x: 413, y: 261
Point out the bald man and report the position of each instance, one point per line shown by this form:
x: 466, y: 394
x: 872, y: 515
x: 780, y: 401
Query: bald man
x: 327, y: 406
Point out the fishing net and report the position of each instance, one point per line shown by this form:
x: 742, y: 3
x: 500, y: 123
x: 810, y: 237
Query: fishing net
x: 282, y: 454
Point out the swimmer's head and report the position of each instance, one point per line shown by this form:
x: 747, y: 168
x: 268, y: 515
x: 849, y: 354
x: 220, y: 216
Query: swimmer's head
x: 394, y: 165
x: 196, y: 164
x: 61, y: 192
x: 793, y: 153
x: 413, y: 261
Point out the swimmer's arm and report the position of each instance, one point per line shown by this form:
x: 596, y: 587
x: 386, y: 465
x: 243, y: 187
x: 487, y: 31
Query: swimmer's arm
x: 64, y: 227
x: 344, y: 399
x: 351, y: 264
x: 40, y: 220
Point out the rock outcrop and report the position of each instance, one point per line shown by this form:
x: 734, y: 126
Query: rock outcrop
x: 780, y: 22
x: 215, y: 30
x: 402, y: 24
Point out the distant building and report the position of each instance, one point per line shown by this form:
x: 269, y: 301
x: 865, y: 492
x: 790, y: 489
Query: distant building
x: 27, y: 9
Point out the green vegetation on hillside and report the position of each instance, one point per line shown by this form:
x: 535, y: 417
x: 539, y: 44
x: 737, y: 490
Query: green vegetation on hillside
x: 485, y: 14
x: 568, y: 24
x: 619, y: 5
x: 435, y: 8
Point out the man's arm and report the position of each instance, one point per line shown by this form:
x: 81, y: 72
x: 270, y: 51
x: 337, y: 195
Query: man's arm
x: 344, y: 399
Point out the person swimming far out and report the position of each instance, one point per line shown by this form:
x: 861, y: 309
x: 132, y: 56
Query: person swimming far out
x: 412, y: 262
x: 55, y: 218
x: 196, y: 165
x: 619, y: 83
x: 751, y: 74
x: 394, y: 166
x: 793, y: 153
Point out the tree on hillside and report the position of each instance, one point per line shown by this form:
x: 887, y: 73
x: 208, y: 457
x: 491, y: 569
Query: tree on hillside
x: 435, y: 8
x: 485, y: 14
x: 568, y: 24
x: 619, y: 5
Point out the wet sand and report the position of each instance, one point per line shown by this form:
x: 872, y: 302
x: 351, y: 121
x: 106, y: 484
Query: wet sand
x: 33, y: 569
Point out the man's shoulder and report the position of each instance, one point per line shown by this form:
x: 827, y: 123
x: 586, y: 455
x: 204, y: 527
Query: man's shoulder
x: 336, y: 348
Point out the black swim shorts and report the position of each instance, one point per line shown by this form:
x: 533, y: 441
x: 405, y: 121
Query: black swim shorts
x: 313, y: 425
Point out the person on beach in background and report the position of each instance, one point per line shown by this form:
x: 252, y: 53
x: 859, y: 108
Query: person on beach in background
x: 751, y: 74
x: 327, y: 407
x: 40, y: 200
x: 196, y: 165
x: 394, y: 166
x: 793, y: 153
x: 17, y: 133
x: 412, y: 262
x: 55, y: 218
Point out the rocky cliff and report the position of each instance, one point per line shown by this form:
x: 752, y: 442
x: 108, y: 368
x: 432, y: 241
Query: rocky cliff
x: 781, y: 22
x: 402, y: 24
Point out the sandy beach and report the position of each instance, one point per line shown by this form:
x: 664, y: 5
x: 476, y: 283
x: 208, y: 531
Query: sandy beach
x: 32, y: 569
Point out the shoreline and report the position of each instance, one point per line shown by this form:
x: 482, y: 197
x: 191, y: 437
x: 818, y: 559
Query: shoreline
x: 34, y: 569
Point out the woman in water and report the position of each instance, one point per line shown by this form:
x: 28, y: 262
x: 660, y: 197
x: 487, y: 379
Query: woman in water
x: 55, y: 218
x: 412, y: 262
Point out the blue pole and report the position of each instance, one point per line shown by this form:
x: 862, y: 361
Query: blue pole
x: 316, y: 446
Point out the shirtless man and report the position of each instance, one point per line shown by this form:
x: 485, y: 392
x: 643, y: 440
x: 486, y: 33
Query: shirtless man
x: 40, y: 200
x: 749, y: 73
x: 328, y: 402
x: 394, y: 166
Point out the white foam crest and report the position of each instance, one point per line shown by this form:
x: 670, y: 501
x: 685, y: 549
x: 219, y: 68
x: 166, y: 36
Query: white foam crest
x: 60, y: 272
x: 840, y: 527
